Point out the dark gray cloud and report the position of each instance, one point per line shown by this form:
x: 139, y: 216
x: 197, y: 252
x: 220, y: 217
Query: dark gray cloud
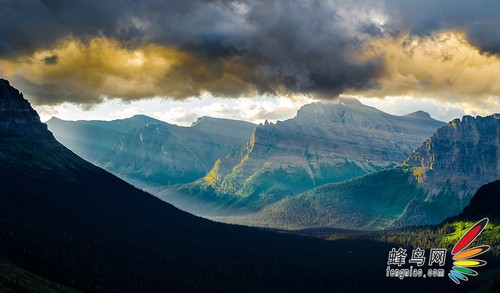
x: 300, y: 46
x: 479, y: 19
x: 50, y: 60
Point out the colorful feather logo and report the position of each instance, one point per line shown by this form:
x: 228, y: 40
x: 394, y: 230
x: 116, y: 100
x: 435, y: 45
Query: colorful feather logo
x: 464, y: 260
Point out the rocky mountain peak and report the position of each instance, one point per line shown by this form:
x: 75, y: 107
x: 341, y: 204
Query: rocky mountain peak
x: 419, y: 114
x: 17, y: 117
x: 339, y: 103
x: 15, y: 109
x: 343, y: 110
x: 464, y: 154
x: 212, y: 122
x: 349, y: 113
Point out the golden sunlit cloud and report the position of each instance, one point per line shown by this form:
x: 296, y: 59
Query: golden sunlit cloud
x: 85, y: 72
x: 444, y: 66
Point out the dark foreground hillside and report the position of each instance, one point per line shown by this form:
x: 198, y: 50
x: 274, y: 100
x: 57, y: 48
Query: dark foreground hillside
x: 485, y: 203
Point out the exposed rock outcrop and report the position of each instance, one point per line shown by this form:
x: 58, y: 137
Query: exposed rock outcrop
x: 17, y: 117
x: 460, y: 156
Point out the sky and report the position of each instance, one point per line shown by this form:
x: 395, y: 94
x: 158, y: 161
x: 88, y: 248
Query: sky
x: 251, y: 59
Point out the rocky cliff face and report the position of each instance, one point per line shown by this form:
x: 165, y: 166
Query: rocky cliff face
x: 459, y: 157
x: 347, y: 131
x: 24, y: 139
x: 17, y: 117
x: 324, y: 143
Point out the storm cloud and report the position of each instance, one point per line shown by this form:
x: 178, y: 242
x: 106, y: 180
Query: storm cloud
x: 228, y: 48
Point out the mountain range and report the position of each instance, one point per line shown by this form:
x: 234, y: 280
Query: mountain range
x: 342, y: 165
x: 324, y: 143
x: 150, y: 152
x: 436, y: 181
x: 305, y: 172
x: 227, y: 165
